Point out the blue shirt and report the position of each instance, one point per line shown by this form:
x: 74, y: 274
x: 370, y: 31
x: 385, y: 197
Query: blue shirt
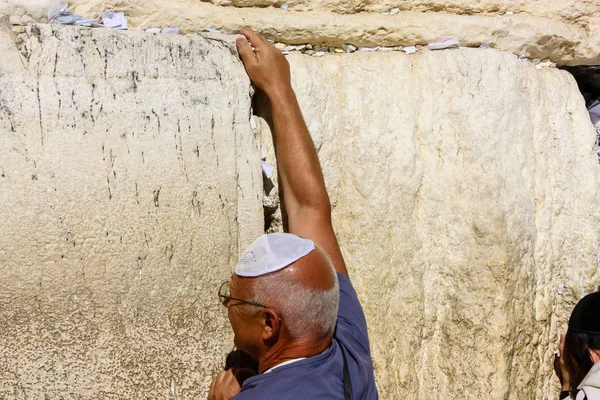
x: 321, y: 377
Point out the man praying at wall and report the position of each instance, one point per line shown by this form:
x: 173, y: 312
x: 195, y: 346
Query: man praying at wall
x: 290, y: 302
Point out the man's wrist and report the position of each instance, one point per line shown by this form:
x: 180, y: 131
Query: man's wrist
x: 281, y: 94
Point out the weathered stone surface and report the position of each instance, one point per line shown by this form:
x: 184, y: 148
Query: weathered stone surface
x: 465, y: 193
x: 568, y: 10
x: 129, y: 180
x: 566, y: 32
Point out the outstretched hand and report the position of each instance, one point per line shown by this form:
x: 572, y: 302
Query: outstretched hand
x: 266, y: 66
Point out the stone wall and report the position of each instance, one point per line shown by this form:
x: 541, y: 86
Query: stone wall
x: 566, y: 32
x: 127, y: 189
x: 465, y: 197
x: 464, y: 187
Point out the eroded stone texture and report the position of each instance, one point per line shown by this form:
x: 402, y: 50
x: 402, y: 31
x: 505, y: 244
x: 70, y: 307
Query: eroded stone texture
x: 566, y: 32
x: 127, y: 190
x: 465, y: 195
x: 464, y: 185
x: 568, y: 9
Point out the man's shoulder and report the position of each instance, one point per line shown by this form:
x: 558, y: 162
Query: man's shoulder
x: 351, y: 324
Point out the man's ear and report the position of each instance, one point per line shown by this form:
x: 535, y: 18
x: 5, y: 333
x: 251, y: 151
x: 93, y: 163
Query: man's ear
x: 271, y: 326
x: 594, y: 355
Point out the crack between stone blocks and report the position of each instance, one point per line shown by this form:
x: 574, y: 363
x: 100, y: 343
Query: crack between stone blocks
x: 39, y: 101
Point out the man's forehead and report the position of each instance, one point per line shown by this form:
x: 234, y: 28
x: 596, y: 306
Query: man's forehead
x: 239, y: 284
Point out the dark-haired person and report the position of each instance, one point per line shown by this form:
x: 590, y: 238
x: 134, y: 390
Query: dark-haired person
x: 578, y: 366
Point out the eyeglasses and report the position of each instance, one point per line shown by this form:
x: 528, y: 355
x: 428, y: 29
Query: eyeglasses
x: 224, y: 296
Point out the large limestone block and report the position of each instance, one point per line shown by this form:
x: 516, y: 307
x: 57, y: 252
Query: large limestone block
x: 129, y: 181
x: 566, y: 32
x: 568, y: 9
x: 465, y: 197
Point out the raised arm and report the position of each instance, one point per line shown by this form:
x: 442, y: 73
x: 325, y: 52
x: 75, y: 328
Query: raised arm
x: 306, y: 200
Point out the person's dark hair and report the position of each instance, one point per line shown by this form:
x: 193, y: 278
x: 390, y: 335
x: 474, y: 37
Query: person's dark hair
x: 583, y: 335
x: 579, y: 362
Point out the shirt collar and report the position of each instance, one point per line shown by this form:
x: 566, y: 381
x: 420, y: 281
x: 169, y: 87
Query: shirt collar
x: 288, y: 362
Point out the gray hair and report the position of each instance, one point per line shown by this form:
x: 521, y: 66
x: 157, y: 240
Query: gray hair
x: 306, y: 312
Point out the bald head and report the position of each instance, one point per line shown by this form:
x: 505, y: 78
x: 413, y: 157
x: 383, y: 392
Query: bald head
x: 313, y: 271
x: 305, y: 294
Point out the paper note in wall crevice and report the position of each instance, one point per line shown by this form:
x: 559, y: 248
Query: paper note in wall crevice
x: 267, y: 169
x: 115, y: 20
x: 63, y: 15
x: 369, y: 48
x: 444, y: 42
x: 171, y: 31
x: 88, y: 22
x: 349, y: 48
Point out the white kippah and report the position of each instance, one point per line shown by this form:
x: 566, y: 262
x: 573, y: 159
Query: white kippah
x: 272, y: 252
